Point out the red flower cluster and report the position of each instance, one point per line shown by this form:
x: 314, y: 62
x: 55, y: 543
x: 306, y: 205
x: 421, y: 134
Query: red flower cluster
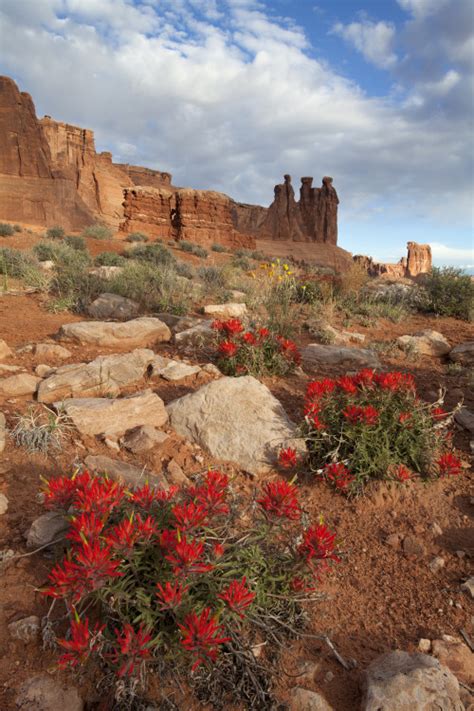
x: 231, y: 327
x: 338, y: 476
x: 128, y: 533
x: 237, y: 596
x: 186, y: 558
x: 146, y: 496
x: 368, y: 415
x: 401, y: 473
x: 437, y: 413
x: 280, y: 499
x: 81, y: 644
x: 133, y: 648
x: 287, y: 458
x: 200, y: 636
x: 318, y: 544
x: 449, y: 465
x: 211, y: 495
x: 171, y: 595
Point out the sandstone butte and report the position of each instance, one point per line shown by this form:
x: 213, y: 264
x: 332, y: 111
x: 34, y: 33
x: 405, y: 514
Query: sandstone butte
x: 50, y: 173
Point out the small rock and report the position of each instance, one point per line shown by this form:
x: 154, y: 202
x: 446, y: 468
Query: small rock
x: 5, y: 350
x: 211, y: 369
x: 306, y: 700
x: 47, y: 265
x: 3, y: 504
x: 437, y: 564
x: 51, y: 350
x: 195, y: 337
x: 468, y: 586
x: 112, y: 444
x: 19, y: 385
x: 436, y: 529
x: 177, y: 370
x: 105, y: 272
x: 141, y: 439
x: 26, y: 630
x: 175, y: 474
x: 45, y: 693
x: 428, y: 342
x: 44, y: 371
x: 456, y: 656
x: 316, y: 356
x: 137, y: 333
x: 113, y: 306
x: 461, y: 554
x: 46, y: 529
x: 412, y: 547
x: 225, y: 311
x: 424, y: 645
x: 393, y: 540
x: 465, y: 418
x: 463, y: 354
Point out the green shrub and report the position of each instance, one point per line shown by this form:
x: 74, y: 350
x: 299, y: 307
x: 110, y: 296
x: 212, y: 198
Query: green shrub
x: 156, y: 254
x: 98, y: 232
x: 192, y: 248
x: 241, y: 263
x: 308, y: 292
x: 199, y: 251
x: 155, y: 288
x: 6, y: 230
x: 76, y: 242
x: 218, y: 248
x: 137, y: 237
x: 186, y: 246
x: 449, y: 292
x: 109, y: 259
x: 213, y: 277
x: 60, y: 253
x: 56, y: 232
x: 184, y: 269
x: 18, y: 228
x: 15, y: 263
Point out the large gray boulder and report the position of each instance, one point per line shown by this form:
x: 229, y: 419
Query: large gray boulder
x: 101, y: 415
x: 137, y: 333
x: 463, y: 354
x: 315, y: 356
x: 105, y: 375
x: 113, y: 306
x: 236, y: 419
x: 399, y: 681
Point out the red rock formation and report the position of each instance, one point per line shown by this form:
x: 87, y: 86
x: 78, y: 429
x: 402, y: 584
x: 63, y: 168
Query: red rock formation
x: 145, y: 176
x: 417, y: 262
x: 200, y: 216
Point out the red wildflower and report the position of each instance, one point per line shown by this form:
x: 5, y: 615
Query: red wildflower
x: 211, y: 494
x: 371, y: 415
x: 249, y: 338
x: 59, y: 493
x: 237, y: 596
x: 449, y: 465
x: 263, y: 333
x: 401, y: 473
x: 125, y: 535
x: 288, y: 458
x: 218, y: 550
x: 186, y: 558
x: 232, y: 326
x: 368, y: 415
x: 339, y: 476
x: 437, y: 413
x: 318, y: 388
x: 364, y: 378
x: 81, y: 645
x: 300, y: 585
x: 395, y: 381
x: 133, y: 648
x: 217, y: 325
x: 228, y: 349
x: 347, y: 384
x: 311, y: 412
x: 189, y: 516
x: 168, y: 539
x: 99, y: 495
x: 404, y: 417
x: 280, y: 499
x: 289, y: 349
x: 318, y: 543
x: 146, y: 496
x: 170, y: 595
x: 86, y: 527
x: 65, y: 582
x: 201, y: 636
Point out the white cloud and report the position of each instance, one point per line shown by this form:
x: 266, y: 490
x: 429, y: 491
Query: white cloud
x: 373, y: 39
x: 444, y: 254
x: 422, y: 8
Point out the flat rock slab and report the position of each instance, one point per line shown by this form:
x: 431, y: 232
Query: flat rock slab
x: 316, y: 355
x: 229, y: 310
x: 45, y: 693
x: 141, y: 439
x: 19, y: 385
x: 236, y: 419
x: 197, y: 336
x: 45, y: 351
x: 105, y: 375
x: 429, y: 343
x: 94, y: 416
x: 114, y: 307
x: 177, y: 370
x: 463, y: 354
x: 45, y: 529
x: 139, y: 332
x: 399, y: 681
x: 126, y: 473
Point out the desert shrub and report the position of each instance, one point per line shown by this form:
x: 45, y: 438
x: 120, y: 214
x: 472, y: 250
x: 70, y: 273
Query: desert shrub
x: 156, y: 254
x: 76, y: 242
x: 39, y: 430
x: 366, y: 308
x: 136, y: 237
x: 374, y: 426
x: 218, y: 248
x: 6, y: 230
x: 200, y: 252
x: 253, y: 352
x: 154, y: 288
x: 15, y: 263
x: 161, y: 577
x: 109, y: 259
x: 449, y: 292
x: 186, y: 246
x: 60, y: 253
x: 192, y: 248
x: 72, y: 285
x: 241, y: 263
x: 97, y: 231
x: 308, y: 292
x: 184, y: 269
x: 55, y: 232
x: 214, y: 278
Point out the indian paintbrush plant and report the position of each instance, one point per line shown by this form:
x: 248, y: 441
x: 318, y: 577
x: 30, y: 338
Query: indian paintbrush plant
x: 157, y: 580
x: 373, y: 426
x: 255, y: 351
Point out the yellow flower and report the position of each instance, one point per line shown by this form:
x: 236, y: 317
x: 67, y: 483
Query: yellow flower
x: 285, y: 267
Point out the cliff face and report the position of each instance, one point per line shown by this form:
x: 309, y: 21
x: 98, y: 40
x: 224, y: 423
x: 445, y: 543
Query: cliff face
x: 418, y: 261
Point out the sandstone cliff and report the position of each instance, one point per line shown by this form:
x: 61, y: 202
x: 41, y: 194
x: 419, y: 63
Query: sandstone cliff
x: 418, y: 261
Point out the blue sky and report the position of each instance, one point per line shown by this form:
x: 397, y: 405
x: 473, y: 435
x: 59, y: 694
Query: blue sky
x: 231, y: 94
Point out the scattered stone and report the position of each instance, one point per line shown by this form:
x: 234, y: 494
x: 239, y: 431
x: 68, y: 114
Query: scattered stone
x: 316, y: 355
x: 437, y: 564
x: 126, y: 473
x: 105, y: 272
x: 236, y: 419
x: 237, y: 295
x: 211, y: 369
x: 436, y: 529
x: 5, y: 350
x: 105, y: 375
x: 26, y: 630
x: 342, y: 338
x: 468, y: 587
x: 175, y: 474
x: 95, y: 416
x: 427, y: 342
x: 4, y: 368
x: 412, y: 547
x: 399, y: 681
x: 177, y: 370
x: 424, y: 645
x: 197, y: 336
x: 170, y: 319
x: 3, y: 432
x: 47, y: 266
x: 19, y: 385
x: 393, y: 540
x: 225, y: 311
x: 3, y: 504
x: 465, y: 418
x: 463, y: 354
x: 141, y: 439
x: 46, y: 693
x: 46, y: 529
x: 139, y: 332
x: 44, y: 371
x: 456, y: 656
x: 185, y: 322
x: 50, y: 350
x: 306, y: 700
x: 113, y: 306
